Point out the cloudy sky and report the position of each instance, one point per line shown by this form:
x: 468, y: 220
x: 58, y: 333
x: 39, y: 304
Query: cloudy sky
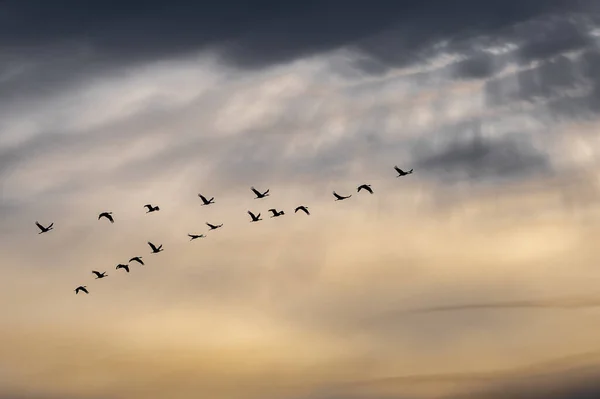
x: 474, y: 277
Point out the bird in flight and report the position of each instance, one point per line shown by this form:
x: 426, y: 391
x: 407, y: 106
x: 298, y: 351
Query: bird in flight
x: 81, y: 288
x: 99, y: 275
x: 194, y: 236
x: 302, y: 208
x: 107, y: 215
x: 206, y: 201
x: 137, y: 259
x: 259, y: 194
x: 214, y: 227
x: 275, y: 213
x: 151, y: 208
x: 122, y: 266
x: 366, y: 187
x: 401, y: 172
x: 155, y: 249
x: 44, y: 229
x: 255, y: 218
x: 340, y: 197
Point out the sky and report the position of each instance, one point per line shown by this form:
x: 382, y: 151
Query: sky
x: 475, y: 277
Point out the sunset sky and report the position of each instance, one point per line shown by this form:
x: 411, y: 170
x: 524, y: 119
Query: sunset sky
x: 476, y: 277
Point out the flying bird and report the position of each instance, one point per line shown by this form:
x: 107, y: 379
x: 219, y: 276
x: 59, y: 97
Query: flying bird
x: 137, y: 259
x: 194, y: 236
x: 259, y: 194
x: 106, y: 215
x: 206, y: 201
x: 340, y: 197
x: 401, y: 172
x: 122, y: 266
x: 302, y: 208
x: 99, y: 275
x: 44, y: 229
x: 366, y: 187
x: 81, y: 288
x: 255, y: 218
x: 213, y: 227
x: 151, y: 208
x: 275, y: 213
x: 155, y: 249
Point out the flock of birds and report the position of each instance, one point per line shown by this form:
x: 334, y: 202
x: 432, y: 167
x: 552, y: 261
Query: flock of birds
x: 205, y: 201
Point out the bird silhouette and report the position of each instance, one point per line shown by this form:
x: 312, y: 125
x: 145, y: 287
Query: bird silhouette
x: 155, y: 249
x: 122, y: 266
x: 214, y: 227
x: 275, y: 213
x: 255, y: 218
x: 194, y: 236
x: 259, y: 194
x: 401, y: 172
x: 44, y: 229
x: 81, y: 288
x: 340, y: 197
x: 366, y: 187
x: 138, y: 259
x: 151, y: 208
x: 99, y: 275
x: 206, y: 201
x: 107, y: 215
x: 302, y: 208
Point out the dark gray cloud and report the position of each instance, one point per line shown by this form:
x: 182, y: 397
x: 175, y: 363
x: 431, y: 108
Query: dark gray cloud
x: 481, y: 159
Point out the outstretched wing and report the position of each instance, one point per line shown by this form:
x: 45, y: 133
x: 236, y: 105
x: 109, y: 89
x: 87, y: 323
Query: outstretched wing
x: 148, y: 206
x: 251, y: 215
x: 84, y: 290
x: 266, y: 192
x: 337, y: 195
x: 255, y: 191
x: 398, y: 169
x: 203, y: 198
x: 96, y: 273
x: 211, y: 226
x: 40, y: 226
x: 152, y: 246
x: 273, y: 211
x: 126, y: 268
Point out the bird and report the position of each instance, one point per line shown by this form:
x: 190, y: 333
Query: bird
x: 213, y: 227
x: 302, y: 208
x: 275, y: 213
x: 194, y: 236
x: 44, y: 229
x: 365, y: 187
x: 340, y: 197
x: 122, y: 266
x: 206, y: 201
x: 255, y: 218
x: 259, y: 194
x: 81, y: 288
x: 99, y: 275
x: 155, y: 249
x: 137, y: 259
x: 401, y: 172
x: 151, y: 208
x: 106, y: 215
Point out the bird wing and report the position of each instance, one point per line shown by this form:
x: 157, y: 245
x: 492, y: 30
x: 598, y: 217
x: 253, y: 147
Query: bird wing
x: 40, y: 226
x: 96, y: 273
x: 148, y: 206
x: 274, y: 211
x: 211, y: 226
x: 258, y: 194
x: 398, y: 169
x: 266, y: 192
x: 337, y: 195
x: 50, y: 225
x: 126, y: 268
x: 152, y: 246
x: 251, y: 215
x: 109, y: 217
x: 203, y: 198
x: 84, y: 290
